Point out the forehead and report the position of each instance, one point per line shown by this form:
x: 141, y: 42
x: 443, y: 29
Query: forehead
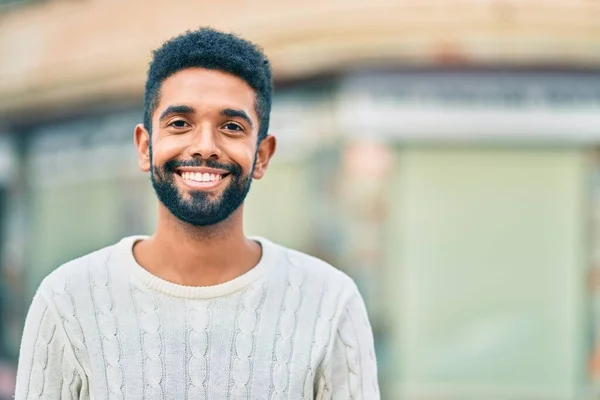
x: 205, y: 89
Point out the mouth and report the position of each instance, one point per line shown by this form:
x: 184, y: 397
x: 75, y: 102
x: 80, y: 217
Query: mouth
x: 202, y: 180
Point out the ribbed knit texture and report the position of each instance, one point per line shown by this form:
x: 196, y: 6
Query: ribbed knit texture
x: 102, y: 327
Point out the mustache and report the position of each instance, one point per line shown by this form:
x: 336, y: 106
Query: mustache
x: 172, y: 165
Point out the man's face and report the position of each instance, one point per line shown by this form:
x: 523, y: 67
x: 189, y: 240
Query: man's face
x: 203, y: 152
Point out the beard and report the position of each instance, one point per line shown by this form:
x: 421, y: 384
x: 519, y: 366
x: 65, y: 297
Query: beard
x: 200, y: 208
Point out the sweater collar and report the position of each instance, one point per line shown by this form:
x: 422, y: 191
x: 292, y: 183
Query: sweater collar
x: 140, y: 274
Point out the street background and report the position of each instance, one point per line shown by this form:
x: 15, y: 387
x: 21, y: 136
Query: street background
x: 442, y: 153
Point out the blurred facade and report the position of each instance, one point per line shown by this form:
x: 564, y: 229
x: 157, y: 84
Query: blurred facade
x: 441, y: 153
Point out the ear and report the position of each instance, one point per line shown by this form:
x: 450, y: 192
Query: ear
x: 265, y: 153
x: 141, y: 137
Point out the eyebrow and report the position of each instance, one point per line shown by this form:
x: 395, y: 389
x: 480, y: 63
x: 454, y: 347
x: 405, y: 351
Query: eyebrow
x: 230, y: 112
x: 178, y: 109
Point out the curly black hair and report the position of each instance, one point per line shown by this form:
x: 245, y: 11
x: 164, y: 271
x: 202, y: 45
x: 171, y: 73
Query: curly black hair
x: 211, y: 49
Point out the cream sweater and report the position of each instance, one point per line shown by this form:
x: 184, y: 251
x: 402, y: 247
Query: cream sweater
x: 101, y: 327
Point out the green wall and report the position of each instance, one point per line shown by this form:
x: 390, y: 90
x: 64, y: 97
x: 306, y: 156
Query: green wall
x: 487, y: 261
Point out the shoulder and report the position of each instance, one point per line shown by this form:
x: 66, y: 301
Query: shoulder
x: 319, y: 275
x: 73, y: 276
x: 317, y: 268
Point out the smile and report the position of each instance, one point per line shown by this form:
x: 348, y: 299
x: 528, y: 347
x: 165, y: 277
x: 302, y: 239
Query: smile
x: 199, y: 180
x: 200, y: 177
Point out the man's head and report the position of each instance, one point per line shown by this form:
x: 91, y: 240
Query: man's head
x: 211, y: 49
x: 206, y: 119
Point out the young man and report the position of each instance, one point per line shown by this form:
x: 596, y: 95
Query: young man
x: 198, y: 310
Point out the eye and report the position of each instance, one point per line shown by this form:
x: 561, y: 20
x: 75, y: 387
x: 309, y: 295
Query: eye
x: 179, y: 123
x: 230, y: 126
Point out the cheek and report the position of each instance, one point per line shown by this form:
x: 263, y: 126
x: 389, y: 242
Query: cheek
x: 166, y: 148
x: 245, y: 158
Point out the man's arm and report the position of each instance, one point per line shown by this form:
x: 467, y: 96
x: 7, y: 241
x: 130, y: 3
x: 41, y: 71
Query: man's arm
x: 47, y: 368
x: 351, y: 370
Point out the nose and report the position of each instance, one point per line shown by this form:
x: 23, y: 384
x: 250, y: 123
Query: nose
x: 205, y: 144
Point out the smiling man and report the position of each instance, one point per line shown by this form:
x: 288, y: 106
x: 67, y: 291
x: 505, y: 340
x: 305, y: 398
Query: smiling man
x: 198, y: 310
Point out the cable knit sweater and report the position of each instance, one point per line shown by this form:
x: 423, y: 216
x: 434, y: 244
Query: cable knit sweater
x: 102, y: 327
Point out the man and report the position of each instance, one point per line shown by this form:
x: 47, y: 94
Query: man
x: 198, y: 310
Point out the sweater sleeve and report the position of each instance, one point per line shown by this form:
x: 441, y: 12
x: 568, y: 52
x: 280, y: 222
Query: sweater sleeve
x: 47, y: 367
x: 351, y: 371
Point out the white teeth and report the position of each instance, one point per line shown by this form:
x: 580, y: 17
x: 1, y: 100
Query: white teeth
x: 199, y: 177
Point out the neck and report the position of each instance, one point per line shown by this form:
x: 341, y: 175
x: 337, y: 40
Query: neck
x: 198, y: 256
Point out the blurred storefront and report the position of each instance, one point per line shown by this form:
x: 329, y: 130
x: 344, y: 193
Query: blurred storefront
x: 461, y: 197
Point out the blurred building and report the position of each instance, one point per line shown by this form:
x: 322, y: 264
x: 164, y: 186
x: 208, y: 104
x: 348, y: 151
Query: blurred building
x: 443, y: 153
